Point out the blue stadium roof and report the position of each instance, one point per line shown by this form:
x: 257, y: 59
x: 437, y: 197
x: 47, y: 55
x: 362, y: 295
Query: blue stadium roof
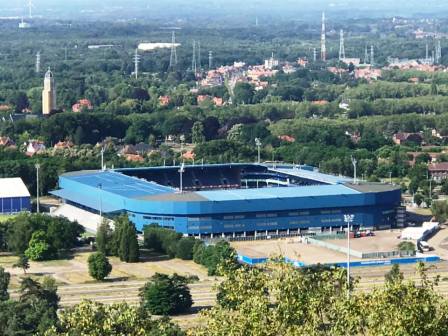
x: 277, y: 192
x: 119, y: 184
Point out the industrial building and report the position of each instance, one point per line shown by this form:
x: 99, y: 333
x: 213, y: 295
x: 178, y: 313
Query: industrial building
x: 231, y: 200
x: 14, y: 196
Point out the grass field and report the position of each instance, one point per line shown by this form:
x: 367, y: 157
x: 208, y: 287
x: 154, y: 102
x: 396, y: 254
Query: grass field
x: 4, y: 218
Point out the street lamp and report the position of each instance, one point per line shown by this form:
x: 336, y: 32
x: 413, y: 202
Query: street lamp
x: 100, y: 186
x: 354, y: 162
x: 37, y: 166
x: 258, y: 144
x: 348, y: 219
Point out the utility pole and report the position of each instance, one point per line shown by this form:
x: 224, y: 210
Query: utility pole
x: 348, y: 219
x: 37, y: 166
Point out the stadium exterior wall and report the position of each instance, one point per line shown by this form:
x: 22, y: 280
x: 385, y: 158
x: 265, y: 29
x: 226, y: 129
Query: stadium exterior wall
x: 11, y: 205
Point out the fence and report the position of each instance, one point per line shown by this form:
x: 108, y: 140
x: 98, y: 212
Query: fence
x: 358, y: 254
x: 367, y: 263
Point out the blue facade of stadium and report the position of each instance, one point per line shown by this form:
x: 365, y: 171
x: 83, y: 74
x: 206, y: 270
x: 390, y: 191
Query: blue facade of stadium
x: 233, y: 199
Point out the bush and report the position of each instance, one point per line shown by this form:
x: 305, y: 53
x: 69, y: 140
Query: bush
x: 214, y: 256
x: 166, y: 295
x: 161, y: 240
x: 38, y: 248
x: 58, y: 232
x: 184, y: 248
x: 124, y: 243
x: 99, y: 266
x: 406, y: 246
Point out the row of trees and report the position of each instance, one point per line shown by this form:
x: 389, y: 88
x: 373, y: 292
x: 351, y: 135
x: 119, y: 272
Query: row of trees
x: 39, y: 236
x: 121, y: 241
x: 282, y: 300
x: 35, y: 310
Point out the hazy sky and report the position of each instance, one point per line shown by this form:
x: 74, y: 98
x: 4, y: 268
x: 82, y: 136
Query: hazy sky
x: 191, y: 8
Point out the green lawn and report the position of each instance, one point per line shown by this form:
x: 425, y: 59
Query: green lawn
x: 4, y: 218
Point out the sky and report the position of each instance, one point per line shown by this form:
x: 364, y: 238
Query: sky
x: 187, y: 9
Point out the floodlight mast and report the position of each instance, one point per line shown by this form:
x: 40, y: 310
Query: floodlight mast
x: 181, y: 171
x: 354, y: 163
x: 258, y: 144
x: 348, y: 219
x: 37, y: 166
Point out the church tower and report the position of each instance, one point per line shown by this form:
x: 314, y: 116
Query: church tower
x: 48, y: 94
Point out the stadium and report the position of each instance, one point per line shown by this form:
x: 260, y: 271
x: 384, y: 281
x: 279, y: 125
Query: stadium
x: 233, y: 200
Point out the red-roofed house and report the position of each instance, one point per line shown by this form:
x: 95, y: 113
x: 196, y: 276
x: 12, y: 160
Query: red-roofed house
x: 202, y: 98
x: 164, y: 100
x: 63, y: 145
x: 438, y: 171
x: 320, y: 102
x: 218, y: 101
x: 6, y: 142
x: 81, y: 105
x: 287, y: 138
x: 189, y: 155
x: 35, y: 147
x: 403, y: 138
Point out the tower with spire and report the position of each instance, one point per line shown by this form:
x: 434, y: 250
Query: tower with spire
x: 323, y: 46
x: 48, y: 94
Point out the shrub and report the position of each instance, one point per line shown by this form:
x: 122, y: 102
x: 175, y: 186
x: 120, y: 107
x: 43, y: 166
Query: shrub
x: 99, y: 266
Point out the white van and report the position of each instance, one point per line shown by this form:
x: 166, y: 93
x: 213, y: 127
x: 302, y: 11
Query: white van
x: 425, y: 246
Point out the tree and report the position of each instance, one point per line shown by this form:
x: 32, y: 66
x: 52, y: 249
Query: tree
x: 99, y: 266
x: 439, y: 210
x: 22, y: 263
x: 97, y: 319
x: 197, y: 133
x: 33, y: 313
x: 38, y: 248
x: 394, y: 274
x: 216, y: 258
x: 185, y: 248
x: 125, y: 239
x: 313, y: 302
x: 4, y: 284
x: 406, y: 246
x: 418, y: 199
x: 166, y: 295
x: 243, y: 93
x: 103, y: 237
